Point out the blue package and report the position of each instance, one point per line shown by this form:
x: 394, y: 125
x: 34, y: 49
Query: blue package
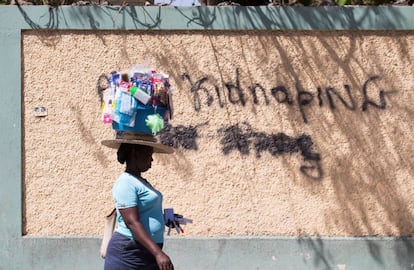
x: 125, y: 110
x: 142, y: 111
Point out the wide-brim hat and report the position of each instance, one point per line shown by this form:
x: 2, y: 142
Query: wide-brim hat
x: 136, y: 138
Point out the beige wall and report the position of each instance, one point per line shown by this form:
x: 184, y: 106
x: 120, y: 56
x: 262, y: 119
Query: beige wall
x: 229, y: 179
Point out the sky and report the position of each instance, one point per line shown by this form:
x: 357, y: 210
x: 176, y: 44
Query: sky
x: 179, y: 2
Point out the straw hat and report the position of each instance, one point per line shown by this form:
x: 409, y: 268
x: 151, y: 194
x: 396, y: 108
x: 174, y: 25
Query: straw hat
x: 135, y: 138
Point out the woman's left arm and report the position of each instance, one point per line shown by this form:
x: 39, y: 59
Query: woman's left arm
x: 132, y: 220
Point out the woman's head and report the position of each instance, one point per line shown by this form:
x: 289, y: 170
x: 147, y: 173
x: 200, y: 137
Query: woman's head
x: 137, y: 157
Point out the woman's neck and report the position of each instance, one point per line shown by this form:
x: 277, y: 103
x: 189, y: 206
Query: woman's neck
x: 133, y: 172
x: 137, y: 175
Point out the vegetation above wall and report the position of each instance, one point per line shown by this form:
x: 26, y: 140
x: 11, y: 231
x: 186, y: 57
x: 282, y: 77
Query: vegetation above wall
x: 214, y: 2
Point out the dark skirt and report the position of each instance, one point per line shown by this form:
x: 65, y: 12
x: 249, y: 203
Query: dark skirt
x: 124, y: 253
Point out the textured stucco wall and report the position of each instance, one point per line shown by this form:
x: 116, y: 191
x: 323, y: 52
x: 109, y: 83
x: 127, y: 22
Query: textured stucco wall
x: 355, y: 179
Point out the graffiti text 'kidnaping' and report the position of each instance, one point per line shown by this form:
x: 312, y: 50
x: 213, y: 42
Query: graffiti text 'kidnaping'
x: 237, y: 94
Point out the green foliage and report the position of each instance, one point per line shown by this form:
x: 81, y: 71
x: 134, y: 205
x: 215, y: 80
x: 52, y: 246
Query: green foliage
x: 343, y: 2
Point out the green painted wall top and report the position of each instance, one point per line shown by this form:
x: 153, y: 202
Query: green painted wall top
x: 207, y: 18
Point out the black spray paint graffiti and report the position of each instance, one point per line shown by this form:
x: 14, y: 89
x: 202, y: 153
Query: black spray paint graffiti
x: 237, y: 138
x: 101, y: 85
x: 236, y: 94
x: 242, y: 138
x: 180, y: 136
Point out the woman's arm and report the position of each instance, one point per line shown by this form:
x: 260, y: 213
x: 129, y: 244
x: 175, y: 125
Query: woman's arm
x: 132, y: 221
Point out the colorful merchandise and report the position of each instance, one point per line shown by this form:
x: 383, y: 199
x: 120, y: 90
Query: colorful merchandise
x: 137, y: 100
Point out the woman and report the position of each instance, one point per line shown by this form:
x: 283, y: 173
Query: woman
x: 137, y: 241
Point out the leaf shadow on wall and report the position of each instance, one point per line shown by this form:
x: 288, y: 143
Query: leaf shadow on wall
x: 370, y: 199
x: 87, y: 137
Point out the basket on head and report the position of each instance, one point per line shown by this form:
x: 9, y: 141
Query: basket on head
x: 135, y: 138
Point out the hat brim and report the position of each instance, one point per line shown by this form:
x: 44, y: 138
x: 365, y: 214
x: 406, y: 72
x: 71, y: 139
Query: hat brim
x: 158, y: 147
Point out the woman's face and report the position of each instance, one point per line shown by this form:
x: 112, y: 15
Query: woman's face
x: 142, y: 158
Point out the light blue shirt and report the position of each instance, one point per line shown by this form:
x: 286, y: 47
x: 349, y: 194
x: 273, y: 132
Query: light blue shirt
x: 129, y: 191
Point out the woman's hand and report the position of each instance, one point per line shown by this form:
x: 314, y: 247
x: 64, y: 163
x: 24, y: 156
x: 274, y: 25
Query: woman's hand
x: 163, y: 261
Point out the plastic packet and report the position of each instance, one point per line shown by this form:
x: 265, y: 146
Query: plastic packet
x: 125, y: 109
x: 107, y: 105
